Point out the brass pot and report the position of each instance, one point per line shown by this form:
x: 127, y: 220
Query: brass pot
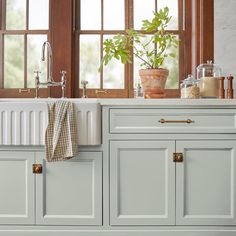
x: 153, y: 82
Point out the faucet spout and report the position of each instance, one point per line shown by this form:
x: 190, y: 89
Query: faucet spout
x: 49, y: 52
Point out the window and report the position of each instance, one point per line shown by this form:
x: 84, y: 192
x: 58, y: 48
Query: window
x: 24, y: 28
x: 21, y: 41
x: 101, y: 19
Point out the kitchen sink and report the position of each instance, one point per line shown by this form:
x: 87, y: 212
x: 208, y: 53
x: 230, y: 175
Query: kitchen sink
x: 24, y: 121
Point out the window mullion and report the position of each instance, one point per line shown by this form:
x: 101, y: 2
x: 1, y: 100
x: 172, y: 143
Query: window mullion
x: 1, y: 61
x: 129, y: 71
x: 27, y: 14
x: 2, y: 26
x: 25, y: 60
x: 25, y: 44
x: 3, y: 14
x: 181, y: 38
x: 101, y: 42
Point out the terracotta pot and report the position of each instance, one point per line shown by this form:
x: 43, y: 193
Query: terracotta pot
x: 153, y: 81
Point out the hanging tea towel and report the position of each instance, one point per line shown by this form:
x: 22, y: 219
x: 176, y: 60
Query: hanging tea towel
x: 61, y: 134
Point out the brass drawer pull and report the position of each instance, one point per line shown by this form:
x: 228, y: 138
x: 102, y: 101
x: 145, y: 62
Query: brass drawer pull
x: 37, y: 168
x: 178, y: 157
x: 188, y: 121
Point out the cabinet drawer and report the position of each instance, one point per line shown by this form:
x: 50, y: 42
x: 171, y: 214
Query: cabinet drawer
x: 143, y: 120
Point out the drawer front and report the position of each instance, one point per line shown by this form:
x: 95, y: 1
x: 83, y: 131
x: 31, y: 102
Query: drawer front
x: 143, y: 120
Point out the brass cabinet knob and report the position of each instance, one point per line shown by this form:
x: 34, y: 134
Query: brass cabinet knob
x: 178, y: 157
x: 37, y: 168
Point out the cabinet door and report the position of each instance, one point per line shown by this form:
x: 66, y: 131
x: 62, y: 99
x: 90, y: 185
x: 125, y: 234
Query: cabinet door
x: 206, y: 183
x: 142, y: 183
x: 17, y: 195
x: 70, y: 192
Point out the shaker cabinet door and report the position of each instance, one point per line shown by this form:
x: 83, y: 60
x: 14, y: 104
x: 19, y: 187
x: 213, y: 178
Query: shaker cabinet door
x: 17, y: 194
x: 142, y: 183
x: 70, y: 192
x: 206, y: 183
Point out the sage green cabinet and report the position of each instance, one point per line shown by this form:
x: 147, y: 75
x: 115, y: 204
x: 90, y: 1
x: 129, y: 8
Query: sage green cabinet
x: 70, y: 192
x: 17, y: 188
x: 206, y: 183
x: 142, y: 183
x: 148, y: 188
x: 65, y: 193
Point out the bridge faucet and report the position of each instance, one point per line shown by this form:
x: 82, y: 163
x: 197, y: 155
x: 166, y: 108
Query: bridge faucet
x: 49, y: 50
x: 50, y: 82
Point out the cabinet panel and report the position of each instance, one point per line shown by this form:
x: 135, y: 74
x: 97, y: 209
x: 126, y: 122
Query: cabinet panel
x: 70, y: 192
x: 16, y: 188
x: 142, y: 179
x: 146, y: 120
x: 205, y: 183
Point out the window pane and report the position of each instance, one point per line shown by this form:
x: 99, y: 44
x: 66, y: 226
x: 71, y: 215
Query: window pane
x: 13, y: 61
x: 143, y: 10
x: 113, y: 73
x: 34, y: 63
x: 15, y: 14
x: 172, y: 64
x: 90, y: 60
x: 38, y: 14
x: 114, y: 17
x: 90, y: 14
x: 173, y: 7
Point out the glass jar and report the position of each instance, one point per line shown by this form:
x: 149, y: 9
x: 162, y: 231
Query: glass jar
x: 138, y: 91
x: 208, y: 75
x: 189, y: 88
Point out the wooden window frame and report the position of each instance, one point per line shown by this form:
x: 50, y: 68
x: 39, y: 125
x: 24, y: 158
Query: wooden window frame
x: 198, y: 36
x: 127, y: 92
x: 199, y: 41
x: 199, y: 33
x: 18, y: 92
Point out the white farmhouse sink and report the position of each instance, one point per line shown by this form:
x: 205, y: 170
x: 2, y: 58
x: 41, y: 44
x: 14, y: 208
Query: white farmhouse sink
x: 24, y: 121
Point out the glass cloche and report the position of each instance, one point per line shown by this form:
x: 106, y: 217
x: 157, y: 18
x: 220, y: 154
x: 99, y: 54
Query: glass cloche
x: 189, y: 88
x: 208, y: 76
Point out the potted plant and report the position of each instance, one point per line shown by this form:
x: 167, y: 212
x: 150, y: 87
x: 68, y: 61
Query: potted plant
x: 151, y: 47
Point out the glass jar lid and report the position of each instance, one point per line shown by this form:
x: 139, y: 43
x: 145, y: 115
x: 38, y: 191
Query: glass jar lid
x: 190, y: 80
x: 208, y: 69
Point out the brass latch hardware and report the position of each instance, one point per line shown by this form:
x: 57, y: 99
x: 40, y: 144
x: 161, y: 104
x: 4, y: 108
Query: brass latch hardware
x: 178, y: 157
x: 37, y: 168
x: 188, y: 121
x: 24, y: 90
x: 101, y: 91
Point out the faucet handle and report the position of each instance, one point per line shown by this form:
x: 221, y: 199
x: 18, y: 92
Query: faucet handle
x: 37, y: 82
x: 84, y: 83
x: 63, y: 76
x: 37, y: 73
x: 63, y: 83
x: 63, y: 72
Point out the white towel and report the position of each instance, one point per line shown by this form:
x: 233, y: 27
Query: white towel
x: 61, y: 134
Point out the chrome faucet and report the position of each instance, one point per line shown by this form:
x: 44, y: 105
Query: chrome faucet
x: 50, y: 82
x: 49, y: 51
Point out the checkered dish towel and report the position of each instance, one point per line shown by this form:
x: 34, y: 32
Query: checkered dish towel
x: 61, y: 134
